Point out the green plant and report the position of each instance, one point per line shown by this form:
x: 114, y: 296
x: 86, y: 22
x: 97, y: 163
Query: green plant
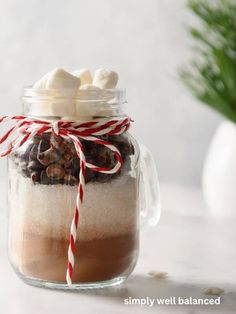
x: 212, y: 73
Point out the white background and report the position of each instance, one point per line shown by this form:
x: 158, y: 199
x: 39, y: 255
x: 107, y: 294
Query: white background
x: 145, y: 41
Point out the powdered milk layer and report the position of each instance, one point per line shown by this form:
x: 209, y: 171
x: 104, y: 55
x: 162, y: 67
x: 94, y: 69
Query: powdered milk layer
x: 109, y: 209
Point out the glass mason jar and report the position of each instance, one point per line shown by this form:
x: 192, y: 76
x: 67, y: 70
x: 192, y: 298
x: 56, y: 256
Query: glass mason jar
x: 43, y: 181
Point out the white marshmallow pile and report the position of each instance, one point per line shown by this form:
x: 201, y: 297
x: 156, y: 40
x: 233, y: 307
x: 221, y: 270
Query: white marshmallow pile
x: 69, y: 85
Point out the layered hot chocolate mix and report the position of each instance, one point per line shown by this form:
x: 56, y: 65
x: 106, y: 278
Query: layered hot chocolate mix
x: 44, y: 192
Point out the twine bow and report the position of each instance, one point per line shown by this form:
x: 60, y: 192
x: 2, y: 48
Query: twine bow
x: 26, y: 128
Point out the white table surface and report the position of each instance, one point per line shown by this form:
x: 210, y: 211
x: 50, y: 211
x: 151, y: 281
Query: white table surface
x: 197, y: 251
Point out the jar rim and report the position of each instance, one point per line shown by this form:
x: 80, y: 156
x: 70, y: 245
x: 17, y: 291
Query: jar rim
x: 111, y: 96
x: 64, y: 102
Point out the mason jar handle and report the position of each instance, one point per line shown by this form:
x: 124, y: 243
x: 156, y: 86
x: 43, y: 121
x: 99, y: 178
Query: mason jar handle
x: 150, y: 203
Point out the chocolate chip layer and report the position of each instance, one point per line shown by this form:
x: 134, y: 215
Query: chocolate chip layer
x: 49, y: 159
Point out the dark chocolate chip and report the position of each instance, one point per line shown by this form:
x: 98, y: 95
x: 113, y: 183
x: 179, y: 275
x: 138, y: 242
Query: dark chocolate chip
x: 55, y: 171
x: 35, y: 165
x: 35, y: 176
x: 48, y: 157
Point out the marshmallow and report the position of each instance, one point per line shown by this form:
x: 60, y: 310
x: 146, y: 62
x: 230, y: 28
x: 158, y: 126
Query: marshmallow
x: 106, y: 79
x: 56, y: 108
x: 67, y: 86
x: 41, y: 84
x: 62, y: 108
x: 60, y: 79
x: 86, y: 105
x: 84, y: 75
x: 42, y: 108
x: 89, y: 87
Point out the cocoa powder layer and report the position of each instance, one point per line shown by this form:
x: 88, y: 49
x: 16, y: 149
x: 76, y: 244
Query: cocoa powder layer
x: 97, y: 260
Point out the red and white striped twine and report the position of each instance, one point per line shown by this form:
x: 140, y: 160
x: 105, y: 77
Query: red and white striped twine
x: 26, y: 128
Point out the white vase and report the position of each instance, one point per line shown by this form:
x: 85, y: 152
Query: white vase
x: 219, y: 173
